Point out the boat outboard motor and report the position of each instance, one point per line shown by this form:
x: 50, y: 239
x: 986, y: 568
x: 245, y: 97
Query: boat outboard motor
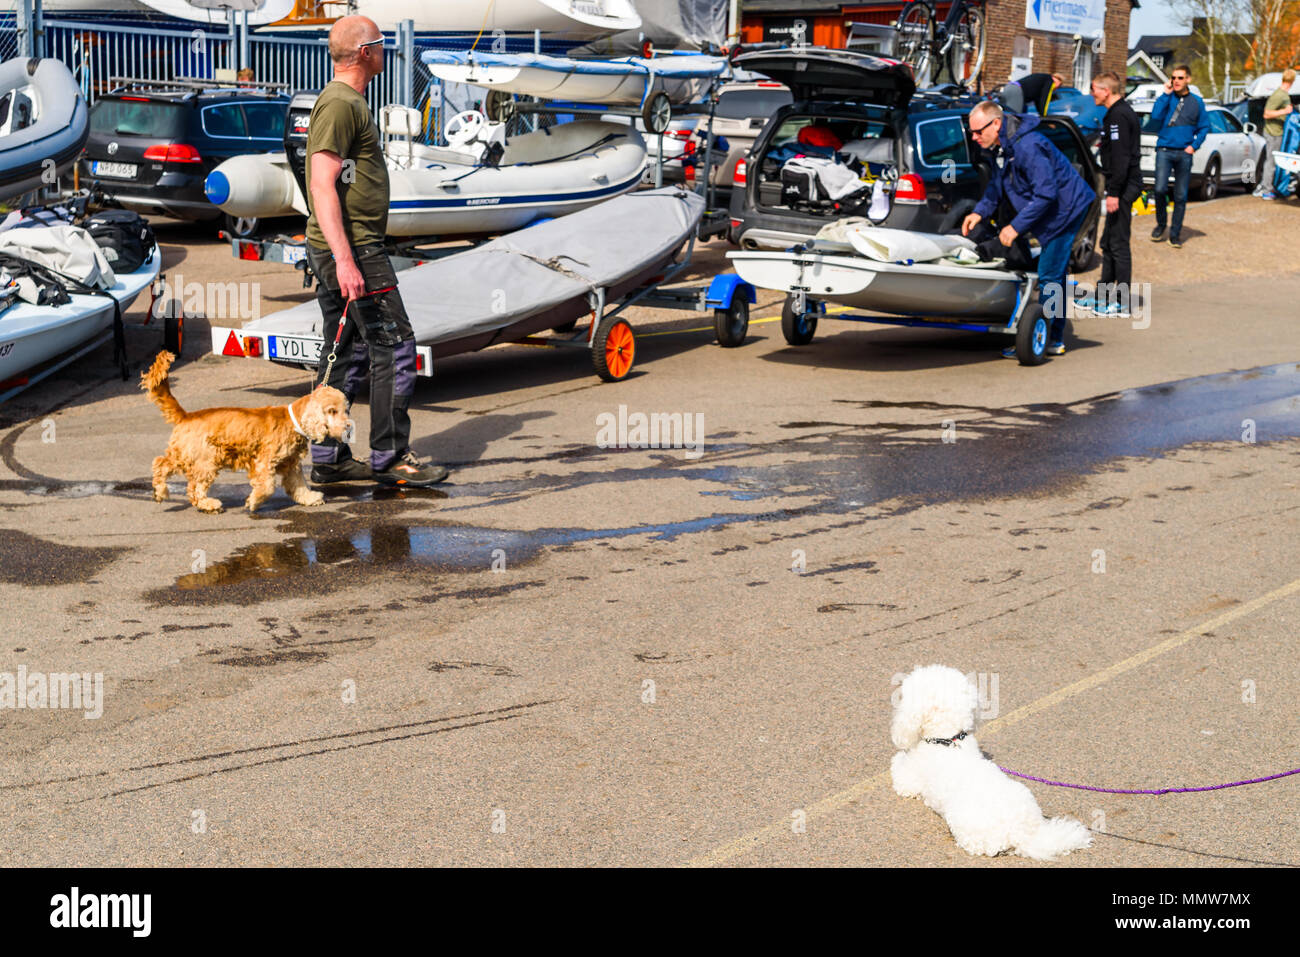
x: 295, y: 134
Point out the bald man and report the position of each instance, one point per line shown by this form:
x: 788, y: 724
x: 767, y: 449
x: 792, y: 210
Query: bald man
x: 347, y: 184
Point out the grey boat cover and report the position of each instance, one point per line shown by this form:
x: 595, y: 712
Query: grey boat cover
x: 531, y: 270
x: 669, y: 25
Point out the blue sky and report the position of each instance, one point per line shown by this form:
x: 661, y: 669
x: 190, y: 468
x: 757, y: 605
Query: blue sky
x: 1154, y: 17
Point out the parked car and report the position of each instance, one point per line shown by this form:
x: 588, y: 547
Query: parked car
x: 152, y: 144
x: 1150, y: 92
x: 1233, y: 152
x: 742, y: 111
x: 920, y: 143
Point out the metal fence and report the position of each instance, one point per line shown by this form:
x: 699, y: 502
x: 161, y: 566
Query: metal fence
x: 8, y: 35
x: 98, y: 50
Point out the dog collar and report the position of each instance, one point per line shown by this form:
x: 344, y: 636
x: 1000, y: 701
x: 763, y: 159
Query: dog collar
x: 947, y: 742
x: 296, y: 427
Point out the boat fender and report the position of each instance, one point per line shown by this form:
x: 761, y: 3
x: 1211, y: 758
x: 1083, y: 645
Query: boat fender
x: 726, y: 287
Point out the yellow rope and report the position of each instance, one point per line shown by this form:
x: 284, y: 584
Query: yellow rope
x: 486, y: 13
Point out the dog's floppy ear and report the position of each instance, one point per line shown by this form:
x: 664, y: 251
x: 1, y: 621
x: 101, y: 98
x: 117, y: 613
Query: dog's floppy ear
x: 909, y: 718
x: 312, y: 418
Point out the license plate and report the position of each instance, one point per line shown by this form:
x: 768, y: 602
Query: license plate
x: 121, y: 170
x: 295, y: 254
x: 294, y: 348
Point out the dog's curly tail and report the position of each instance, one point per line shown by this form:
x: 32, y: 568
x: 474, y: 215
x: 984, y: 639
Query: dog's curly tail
x: 1051, y: 838
x: 154, y: 382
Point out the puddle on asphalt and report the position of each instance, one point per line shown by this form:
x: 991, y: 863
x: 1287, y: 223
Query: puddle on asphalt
x: 833, y: 471
x: 28, y: 560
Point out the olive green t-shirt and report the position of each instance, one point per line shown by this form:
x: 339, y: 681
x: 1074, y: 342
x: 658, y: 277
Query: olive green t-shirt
x: 1277, y: 100
x: 341, y: 123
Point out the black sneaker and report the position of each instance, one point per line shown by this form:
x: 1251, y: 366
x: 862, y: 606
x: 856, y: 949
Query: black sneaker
x: 1176, y: 241
x: 349, y: 470
x: 407, y: 469
x: 1157, y: 234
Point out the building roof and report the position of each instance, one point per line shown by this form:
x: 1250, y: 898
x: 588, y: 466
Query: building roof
x: 1160, y: 43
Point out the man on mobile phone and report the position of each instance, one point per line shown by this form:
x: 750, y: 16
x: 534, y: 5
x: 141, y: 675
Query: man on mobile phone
x: 1180, y: 116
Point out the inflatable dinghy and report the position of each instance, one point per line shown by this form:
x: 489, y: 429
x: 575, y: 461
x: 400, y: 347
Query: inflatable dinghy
x: 456, y: 189
x: 43, y: 124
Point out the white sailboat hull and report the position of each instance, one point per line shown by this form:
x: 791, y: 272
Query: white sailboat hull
x: 31, y: 335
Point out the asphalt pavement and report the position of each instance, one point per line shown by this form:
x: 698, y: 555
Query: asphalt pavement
x: 580, y: 654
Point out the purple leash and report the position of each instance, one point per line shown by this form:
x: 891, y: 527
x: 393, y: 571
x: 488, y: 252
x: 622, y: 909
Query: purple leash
x: 1208, y: 787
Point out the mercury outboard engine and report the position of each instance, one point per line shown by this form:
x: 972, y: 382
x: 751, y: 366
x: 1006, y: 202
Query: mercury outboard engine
x: 295, y: 134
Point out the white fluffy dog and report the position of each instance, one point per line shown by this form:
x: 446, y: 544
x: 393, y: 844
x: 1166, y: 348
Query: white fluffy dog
x: 940, y: 761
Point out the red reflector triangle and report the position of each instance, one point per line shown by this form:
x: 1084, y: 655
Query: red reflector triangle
x: 232, y: 346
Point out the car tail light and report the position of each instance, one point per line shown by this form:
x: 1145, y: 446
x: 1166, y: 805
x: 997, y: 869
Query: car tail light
x: 253, y: 347
x: 910, y: 189
x: 175, y: 153
x: 739, y: 177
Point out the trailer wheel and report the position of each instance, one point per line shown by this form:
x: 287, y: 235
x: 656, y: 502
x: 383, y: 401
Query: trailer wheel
x: 731, y: 325
x: 1031, y: 336
x: 174, y: 334
x: 657, y: 112
x: 613, y: 350
x: 797, y: 329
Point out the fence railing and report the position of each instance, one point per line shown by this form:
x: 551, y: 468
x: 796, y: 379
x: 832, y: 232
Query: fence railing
x: 96, y: 51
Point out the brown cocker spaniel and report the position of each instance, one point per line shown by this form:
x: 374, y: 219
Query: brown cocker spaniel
x: 265, y: 442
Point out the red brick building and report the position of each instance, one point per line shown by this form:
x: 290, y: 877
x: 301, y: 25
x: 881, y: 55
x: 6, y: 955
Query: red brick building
x: 827, y: 24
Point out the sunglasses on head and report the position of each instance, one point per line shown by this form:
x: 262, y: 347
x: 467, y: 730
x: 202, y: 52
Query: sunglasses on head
x: 370, y: 43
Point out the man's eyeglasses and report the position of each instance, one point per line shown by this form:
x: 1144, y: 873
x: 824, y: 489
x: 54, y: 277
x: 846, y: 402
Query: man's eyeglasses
x: 371, y: 43
x: 976, y: 132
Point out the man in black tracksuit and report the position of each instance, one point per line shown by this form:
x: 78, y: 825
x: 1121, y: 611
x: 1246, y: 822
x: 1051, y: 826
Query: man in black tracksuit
x: 1121, y: 136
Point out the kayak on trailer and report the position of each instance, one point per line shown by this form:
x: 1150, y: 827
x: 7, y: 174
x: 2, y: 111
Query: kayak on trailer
x: 543, y: 277
x: 628, y: 81
x: 31, y: 335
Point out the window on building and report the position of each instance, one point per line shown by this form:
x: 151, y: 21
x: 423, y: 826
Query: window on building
x: 1082, y: 67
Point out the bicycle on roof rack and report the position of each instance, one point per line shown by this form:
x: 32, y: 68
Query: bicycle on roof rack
x: 957, y: 43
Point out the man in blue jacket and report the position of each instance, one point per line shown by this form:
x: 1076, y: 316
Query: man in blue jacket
x: 1183, y: 123
x: 1047, y: 196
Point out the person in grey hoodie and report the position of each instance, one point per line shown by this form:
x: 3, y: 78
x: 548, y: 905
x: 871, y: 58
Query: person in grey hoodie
x: 1180, y: 116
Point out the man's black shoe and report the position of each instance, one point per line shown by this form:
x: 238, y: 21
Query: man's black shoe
x: 408, y: 470
x: 349, y: 470
x: 1176, y: 242
x: 1157, y: 234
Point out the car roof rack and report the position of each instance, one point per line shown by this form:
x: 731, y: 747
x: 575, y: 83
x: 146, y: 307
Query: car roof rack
x: 193, y: 86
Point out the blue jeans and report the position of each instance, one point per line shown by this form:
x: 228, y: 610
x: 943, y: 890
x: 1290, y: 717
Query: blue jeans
x: 1053, y: 264
x: 1180, y: 163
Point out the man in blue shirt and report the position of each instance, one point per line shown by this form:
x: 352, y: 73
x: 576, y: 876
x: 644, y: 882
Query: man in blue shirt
x: 1048, y: 197
x: 1183, y: 123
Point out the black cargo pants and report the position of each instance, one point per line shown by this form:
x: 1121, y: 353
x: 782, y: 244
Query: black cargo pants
x: 377, y: 333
